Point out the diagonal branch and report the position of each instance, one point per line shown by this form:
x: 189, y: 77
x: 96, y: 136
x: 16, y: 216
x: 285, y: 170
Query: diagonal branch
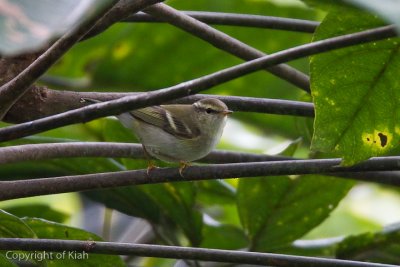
x: 124, y: 104
x: 64, y: 184
x: 175, y: 252
x: 242, y: 20
x: 225, y: 42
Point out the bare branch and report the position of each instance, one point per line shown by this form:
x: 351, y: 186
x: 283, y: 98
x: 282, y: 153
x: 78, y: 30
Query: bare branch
x: 225, y: 42
x: 14, y: 89
x: 260, y: 105
x: 54, y: 101
x: 124, y: 104
x: 20, y: 153
x: 243, y: 20
x: 64, y: 184
x: 13, y: 154
x: 175, y: 252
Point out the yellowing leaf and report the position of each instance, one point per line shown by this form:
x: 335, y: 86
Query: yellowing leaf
x: 356, y: 92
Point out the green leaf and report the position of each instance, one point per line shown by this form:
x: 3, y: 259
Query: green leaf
x: 223, y: 237
x: 51, y: 230
x: 388, y: 9
x: 37, y: 210
x: 355, y: 92
x: 29, y: 25
x: 12, y: 226
x: 275, y: 211
x: 380, y: 247
x: 177, y: 202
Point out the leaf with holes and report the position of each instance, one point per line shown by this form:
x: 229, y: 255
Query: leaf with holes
x: 356, y: 91
x: 275, y: 211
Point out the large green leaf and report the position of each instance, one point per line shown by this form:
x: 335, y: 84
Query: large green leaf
x: 275, y: 211
x: 29, y: 25
x: 50, y: 230
x: 355, y: 91
x: 381, y: 247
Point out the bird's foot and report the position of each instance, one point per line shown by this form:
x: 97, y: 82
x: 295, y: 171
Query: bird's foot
x: 150, y: 166
x: 182, y: 166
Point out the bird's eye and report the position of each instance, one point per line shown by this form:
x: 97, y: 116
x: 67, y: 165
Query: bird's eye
x: 209, y: 110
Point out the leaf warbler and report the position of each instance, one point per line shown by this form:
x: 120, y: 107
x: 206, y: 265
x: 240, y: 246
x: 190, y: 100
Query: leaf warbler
x: 178, y: 133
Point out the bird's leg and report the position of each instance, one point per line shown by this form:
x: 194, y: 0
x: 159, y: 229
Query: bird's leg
x: 150, y: 163
x: 182, y: 167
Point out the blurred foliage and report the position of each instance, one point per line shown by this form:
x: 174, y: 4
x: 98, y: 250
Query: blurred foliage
x: 27, y: 26
x: 268, y: 205
x: 33, y: 210
x: 373, y: 247
x: 12, y: 226
x: 260, y: 214
x: 388, y: 10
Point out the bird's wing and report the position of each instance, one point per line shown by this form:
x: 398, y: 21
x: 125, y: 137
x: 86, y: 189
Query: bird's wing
x: 162, y: 118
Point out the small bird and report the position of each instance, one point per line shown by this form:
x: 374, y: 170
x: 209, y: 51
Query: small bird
x: 178, y: 133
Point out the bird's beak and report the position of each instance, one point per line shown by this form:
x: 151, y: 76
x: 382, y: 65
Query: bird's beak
x: 227, y: 112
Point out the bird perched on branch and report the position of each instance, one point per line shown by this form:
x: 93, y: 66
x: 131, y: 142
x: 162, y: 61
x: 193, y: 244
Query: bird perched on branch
x: 176, y: 132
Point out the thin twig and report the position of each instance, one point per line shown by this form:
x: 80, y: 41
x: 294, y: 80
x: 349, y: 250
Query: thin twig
x: 225, y: 42
x: 74, y: 183
x: 175, y: 252
x: 242, y: 20
x: 14, y: 89
x: 124, y: 104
